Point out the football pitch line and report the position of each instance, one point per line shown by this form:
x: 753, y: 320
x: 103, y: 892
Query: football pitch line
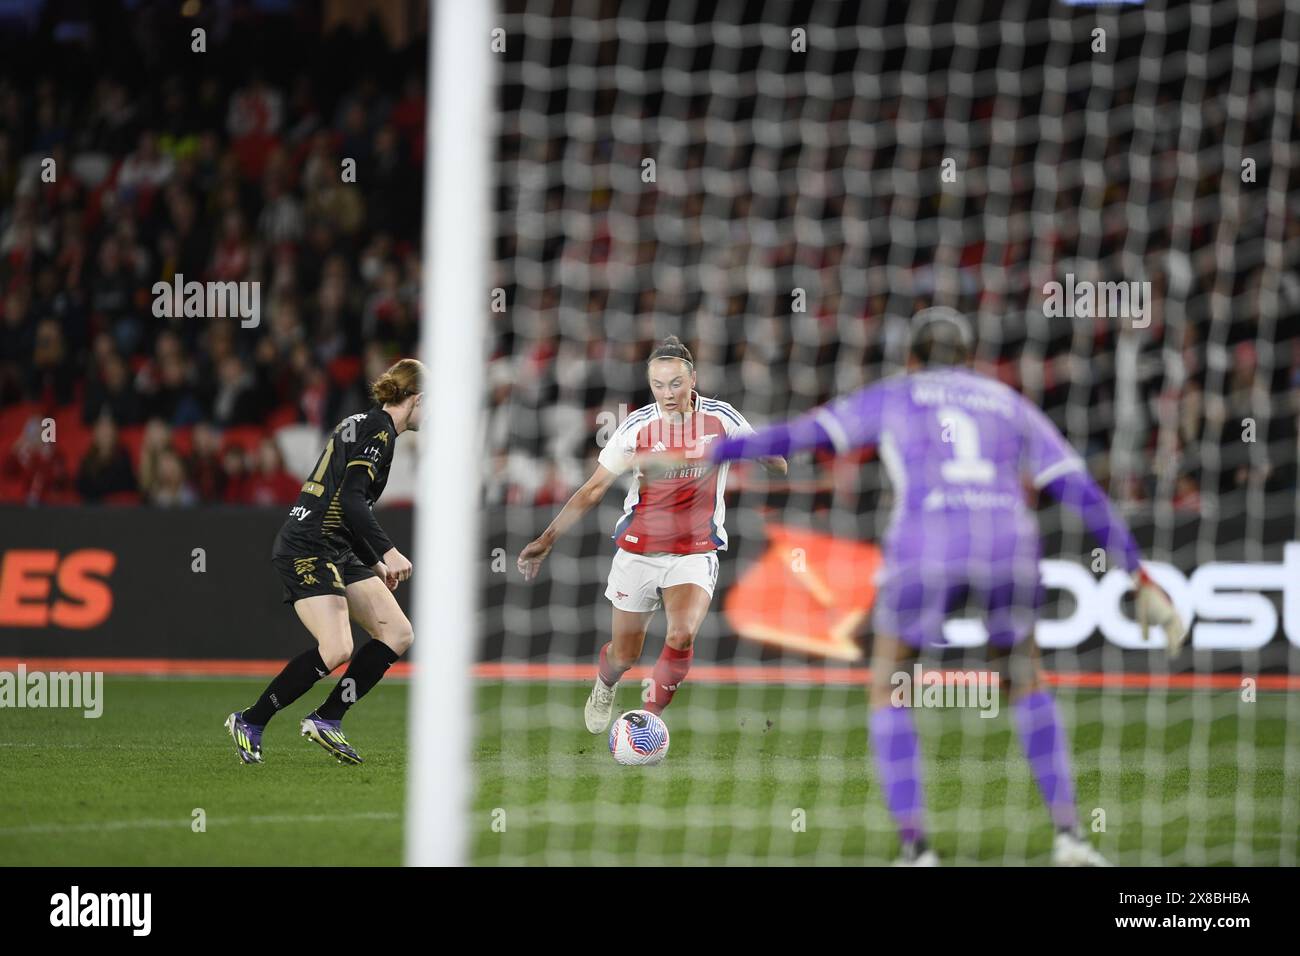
x: 187, y: 822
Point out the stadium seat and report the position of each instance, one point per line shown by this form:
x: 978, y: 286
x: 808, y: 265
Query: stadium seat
x: 132, y: 436
x: 183, y: 440
x: 345, y: 369
x: 73, y: 439
x: 67, y: 496
x: 247, y: 437
x: 11, y: 490
x: 283, y: 416
x: 300, y: 446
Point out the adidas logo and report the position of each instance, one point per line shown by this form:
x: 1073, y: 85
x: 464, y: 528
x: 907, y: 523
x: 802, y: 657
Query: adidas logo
x: 659, y: 446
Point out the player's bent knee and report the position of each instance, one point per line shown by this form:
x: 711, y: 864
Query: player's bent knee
x: 336, y: 649
x: 680, y: 638
x: 334, y: 653
x: 399, y: 636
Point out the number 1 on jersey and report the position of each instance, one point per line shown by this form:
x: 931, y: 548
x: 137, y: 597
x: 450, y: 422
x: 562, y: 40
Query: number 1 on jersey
x: 966, y: 467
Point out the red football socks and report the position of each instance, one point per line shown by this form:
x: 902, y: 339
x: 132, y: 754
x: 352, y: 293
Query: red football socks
x: 670, y: 670
x: 609, y: 675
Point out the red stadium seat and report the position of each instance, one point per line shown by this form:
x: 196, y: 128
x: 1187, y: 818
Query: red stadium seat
x: 122, y: 498
x: 282, y: 416
x: 72, y: 438
x: 247, y: 437
x: 132, y: 436
x: 183, y: 440
x: 67, y: 496
x: 345, y: 369
x: 11, y: 491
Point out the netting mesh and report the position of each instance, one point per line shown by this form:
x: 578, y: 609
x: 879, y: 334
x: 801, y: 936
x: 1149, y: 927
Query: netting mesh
x: 783, y: 192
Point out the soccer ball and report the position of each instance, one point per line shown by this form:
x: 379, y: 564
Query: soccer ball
x: 638, y: 738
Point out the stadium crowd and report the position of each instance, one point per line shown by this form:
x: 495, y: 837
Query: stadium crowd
x: 787, y: 254
x: 221, y: 174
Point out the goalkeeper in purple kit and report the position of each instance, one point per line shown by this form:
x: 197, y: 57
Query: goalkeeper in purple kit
x: 956, y: 446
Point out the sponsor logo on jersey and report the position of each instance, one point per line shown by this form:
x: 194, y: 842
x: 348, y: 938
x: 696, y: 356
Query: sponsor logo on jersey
x: 686, y: 471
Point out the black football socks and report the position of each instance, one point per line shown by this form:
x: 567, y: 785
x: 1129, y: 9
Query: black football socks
x: 366, y: 670
x: 291, y: 683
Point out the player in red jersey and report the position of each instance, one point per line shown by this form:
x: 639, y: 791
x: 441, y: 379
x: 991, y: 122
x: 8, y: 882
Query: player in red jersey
x: 670, y: 532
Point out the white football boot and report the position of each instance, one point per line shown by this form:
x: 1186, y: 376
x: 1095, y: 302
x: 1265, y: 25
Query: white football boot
x: 1073, y: 850
x: 927, y: 858
x: 600, y: 707
x: 911, y: 854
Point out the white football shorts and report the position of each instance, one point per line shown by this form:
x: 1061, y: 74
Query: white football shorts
x: 636, y: 580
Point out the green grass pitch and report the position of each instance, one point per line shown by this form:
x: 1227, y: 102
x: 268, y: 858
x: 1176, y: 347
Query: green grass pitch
x: 766, y: 775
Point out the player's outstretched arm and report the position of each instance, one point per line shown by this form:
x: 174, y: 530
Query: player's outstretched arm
x: 583, y: 500
x: 1076, y: 490
x: 850, y: 422
x: 774, y: 442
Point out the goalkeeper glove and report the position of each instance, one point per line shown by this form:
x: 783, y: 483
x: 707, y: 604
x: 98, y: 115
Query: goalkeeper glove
x: 1155, y: 608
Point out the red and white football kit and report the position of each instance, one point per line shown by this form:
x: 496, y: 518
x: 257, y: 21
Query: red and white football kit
x: 672, y: 526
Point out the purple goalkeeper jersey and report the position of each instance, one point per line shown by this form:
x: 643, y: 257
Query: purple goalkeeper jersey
x: 958, y: 448
x: 954, y: 443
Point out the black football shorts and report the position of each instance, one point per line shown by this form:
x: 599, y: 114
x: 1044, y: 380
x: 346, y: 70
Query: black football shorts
x: 305, y: 577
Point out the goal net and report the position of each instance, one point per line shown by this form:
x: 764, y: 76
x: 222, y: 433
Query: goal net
x: 1109, y: 193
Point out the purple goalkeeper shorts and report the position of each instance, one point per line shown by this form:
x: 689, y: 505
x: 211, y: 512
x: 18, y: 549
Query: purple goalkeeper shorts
x: 989, y: 573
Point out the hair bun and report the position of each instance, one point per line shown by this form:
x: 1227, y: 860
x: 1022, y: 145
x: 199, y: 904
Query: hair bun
x: 672, y: 347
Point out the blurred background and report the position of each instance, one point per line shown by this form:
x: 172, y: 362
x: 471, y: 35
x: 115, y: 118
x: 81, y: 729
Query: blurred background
x: 221, y: 165
x: 798, y: 219
x: 795, y: 222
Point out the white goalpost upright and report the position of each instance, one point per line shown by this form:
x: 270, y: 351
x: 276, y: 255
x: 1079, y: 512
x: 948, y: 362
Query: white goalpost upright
x: 456, y: 203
